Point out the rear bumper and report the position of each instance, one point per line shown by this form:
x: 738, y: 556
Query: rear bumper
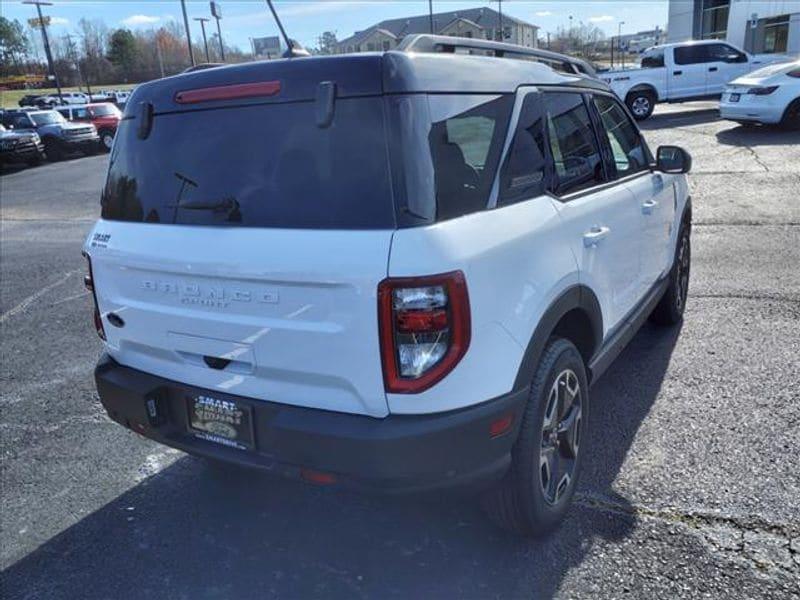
x: 757, y: 112
x: 398, y: 453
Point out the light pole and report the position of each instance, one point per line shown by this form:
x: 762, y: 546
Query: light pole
x: 500, y: 11
x: 216, y: 12
x: 619, y: 42
x: 430, y: 16
x: 188, y: 33
x: 203, y: 21
x: 38, y: 4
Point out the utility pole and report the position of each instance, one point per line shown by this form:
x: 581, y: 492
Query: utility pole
x: 38, y: 4
x: 430, y: 15
x: 160, y: 57
x: 216, y: 12
x: 188, y: 33
x: 203, y: 21
x: 500, y: 11
x: 619, y: 41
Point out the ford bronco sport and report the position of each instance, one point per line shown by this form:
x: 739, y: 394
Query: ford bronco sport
x: 397, y: 270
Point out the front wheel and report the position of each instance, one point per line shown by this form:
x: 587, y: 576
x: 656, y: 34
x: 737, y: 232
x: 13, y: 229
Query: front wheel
x: 669, y: 310
x: 791, y: 116
x: 53, y: 150
x: 106, y: 140
x: 641, y: 104
x: 536, y: 492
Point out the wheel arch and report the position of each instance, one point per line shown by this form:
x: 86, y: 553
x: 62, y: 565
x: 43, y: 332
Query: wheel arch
x: 575, y: 315
x: 643, y: 87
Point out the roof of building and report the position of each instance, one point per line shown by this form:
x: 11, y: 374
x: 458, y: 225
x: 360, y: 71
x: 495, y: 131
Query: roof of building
x: 487, y: 18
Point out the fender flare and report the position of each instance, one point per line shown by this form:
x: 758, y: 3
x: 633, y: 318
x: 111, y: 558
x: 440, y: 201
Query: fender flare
x: 640, y: 87
x: 576, y: 297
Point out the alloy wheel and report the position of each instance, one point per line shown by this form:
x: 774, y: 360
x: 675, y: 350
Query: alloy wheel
x: 561, y: 426
x: 640, y: 106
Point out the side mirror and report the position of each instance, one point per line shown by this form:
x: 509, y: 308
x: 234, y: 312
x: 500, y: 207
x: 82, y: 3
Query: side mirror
x: 673, y: 159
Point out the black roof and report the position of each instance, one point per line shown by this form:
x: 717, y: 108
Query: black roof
x: 359, y: 75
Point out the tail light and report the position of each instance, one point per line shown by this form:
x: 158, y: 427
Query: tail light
x: 424, y: 328
x: 762, y: 91
x: 88, y: 282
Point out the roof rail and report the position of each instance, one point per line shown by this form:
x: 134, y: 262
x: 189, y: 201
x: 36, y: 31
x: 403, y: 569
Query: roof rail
x: 446, y: 44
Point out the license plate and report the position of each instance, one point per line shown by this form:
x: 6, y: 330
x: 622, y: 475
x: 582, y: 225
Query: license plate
x: 224, y: 422
x: 735, y: 97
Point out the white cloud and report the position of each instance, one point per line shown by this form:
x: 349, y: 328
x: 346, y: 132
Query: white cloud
x: 59, y: 21
x: 135, y: 20
x: 299, y: 10
x: 544, y: 13
x: 601, y: 19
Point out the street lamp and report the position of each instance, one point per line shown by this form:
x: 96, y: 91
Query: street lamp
x: 188, y: 33
x: 216, y: 12
x: 619, y: 43
x: 38, y: 4
x: 203, y: 21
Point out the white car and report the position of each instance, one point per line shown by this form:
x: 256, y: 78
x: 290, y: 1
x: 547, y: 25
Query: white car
x: 770, y: 95
x: 411, y: 286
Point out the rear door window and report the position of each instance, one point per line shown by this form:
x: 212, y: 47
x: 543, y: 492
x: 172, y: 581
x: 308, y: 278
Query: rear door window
x: 524, y: 170
x: 627, y: 146
x: 691, y: 55
x: 573, y: 144
x: 255, y: 166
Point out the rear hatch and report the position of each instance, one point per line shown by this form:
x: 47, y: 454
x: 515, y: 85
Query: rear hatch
x: 243, y: 237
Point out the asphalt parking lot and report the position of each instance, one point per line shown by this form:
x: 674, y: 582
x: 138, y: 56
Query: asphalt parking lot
x: 692, y: 489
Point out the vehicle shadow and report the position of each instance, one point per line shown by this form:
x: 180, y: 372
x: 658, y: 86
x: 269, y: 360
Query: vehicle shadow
x: 758, y: 135
x: 684, y: 118
x: 193, y: 531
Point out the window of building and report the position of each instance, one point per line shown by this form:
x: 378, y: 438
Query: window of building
x: 386, y: 45
x: 776, y: 34
x: 714, y: 19
x: 370, y: 46
x: 578, y: 163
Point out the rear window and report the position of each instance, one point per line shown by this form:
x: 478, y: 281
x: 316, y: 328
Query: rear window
x: 105, y: 110
x: 255, y: 166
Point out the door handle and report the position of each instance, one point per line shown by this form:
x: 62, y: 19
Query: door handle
x: 712, y: 69
x: 592, y: 237
x: 648, y: 206
x: 677, y: 72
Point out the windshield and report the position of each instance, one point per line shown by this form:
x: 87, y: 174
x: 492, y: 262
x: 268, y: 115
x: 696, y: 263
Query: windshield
x: 774, y: 70
x: 105, y: 110
x: 47, y: 118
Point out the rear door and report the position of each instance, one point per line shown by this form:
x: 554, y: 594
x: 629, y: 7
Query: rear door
x: 600, y: 218
x: 242, y: 247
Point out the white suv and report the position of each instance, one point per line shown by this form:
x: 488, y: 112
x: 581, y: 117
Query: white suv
x: 386, y: 270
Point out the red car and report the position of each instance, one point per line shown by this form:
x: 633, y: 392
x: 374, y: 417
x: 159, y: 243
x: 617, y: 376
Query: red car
x: 103, y: 115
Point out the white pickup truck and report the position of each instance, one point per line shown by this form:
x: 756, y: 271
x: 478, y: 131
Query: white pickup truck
x: 681, y: 72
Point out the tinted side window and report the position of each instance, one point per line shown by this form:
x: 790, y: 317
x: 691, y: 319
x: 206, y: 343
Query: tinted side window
x: 523, y: 174
x: 653, y: 59
x: 627, y: 145
x: 577, y: 159
x: 80, y: 113
x: 725, y: 53
x: 691, y: 55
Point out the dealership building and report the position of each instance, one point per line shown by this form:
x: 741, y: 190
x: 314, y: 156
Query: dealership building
x: 758, y: 26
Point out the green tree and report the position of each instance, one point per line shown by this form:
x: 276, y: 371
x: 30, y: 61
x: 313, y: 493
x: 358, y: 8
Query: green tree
x: 327, y: 43
x: 123, y: 52
x: 13, y: 44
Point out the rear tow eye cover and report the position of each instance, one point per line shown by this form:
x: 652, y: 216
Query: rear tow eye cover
x: 115, y: 320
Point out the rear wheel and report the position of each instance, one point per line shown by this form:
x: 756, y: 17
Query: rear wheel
x: 546, y: 459
x: 641, y: 104
x: 791, y: 116
x: 669, y: 310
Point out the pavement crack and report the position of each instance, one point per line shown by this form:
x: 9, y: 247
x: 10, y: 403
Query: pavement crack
x: 36, y: 295
x: 756, y: 157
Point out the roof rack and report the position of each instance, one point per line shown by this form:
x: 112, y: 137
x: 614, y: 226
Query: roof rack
x: 446, y: 44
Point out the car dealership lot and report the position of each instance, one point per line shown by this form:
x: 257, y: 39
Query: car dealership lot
x: 692, y: 486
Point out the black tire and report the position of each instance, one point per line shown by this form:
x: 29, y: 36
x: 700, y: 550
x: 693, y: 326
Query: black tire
x: 53, y: 150
x: 641, y: 103
x: 791, y: 116
x: 520, y: 503
x: 106, y: 139
x: 669, y: 310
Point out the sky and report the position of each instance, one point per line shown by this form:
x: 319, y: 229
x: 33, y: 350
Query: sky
x: 306, y: 19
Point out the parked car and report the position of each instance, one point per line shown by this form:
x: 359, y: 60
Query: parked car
x: 59, y: 136
x: 17, y: 147
x: 682, y: 72
x: 412, y: 286
x: 29, y: 100
x: 103, y: 115
x: 770, y: 95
